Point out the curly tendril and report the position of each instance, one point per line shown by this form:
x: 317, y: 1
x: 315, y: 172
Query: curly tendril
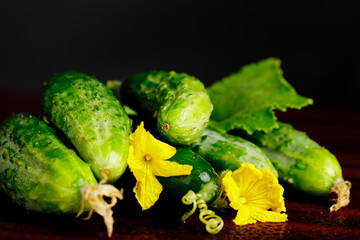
x: 213, y: 222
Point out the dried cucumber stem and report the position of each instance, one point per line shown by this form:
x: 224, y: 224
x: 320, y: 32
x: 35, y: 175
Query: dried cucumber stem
x: 342, y: 189
x: 114, y: 85
x: 94, y: 195
x: 213, y: 222
x: 165, y: 127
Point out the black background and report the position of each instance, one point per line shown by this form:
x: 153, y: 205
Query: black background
x: 318, y: 45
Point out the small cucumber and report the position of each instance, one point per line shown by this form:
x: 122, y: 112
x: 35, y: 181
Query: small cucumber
x: 178, y: 101
x: 301, y: 162
x: 199, y: 189
x: 228, y: 152
x: 203, y: 178
x: 92, y: 118
x: 37, y: 170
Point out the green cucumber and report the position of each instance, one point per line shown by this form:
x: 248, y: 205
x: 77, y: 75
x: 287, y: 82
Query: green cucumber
x: 92, y: 118
x: 203, y: 178
x: 228, y: 152
x: 37, y: 170
x: 178, y: 101
x: 199, y: 189
x: 301, y: 162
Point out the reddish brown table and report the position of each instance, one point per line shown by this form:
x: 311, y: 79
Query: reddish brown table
x: 337, y: 128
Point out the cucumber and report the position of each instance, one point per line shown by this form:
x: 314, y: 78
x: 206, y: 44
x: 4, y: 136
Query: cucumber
x: 203, y: 178
x: 37, y: 170
x: 301, y: 162
x: 92, y: 118
x: 178, y: 101
x: 200, y: 188
x: 228, y: 152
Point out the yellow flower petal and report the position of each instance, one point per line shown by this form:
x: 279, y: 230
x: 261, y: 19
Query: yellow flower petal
x: 232, y: 190
x: 267, y: 216
x: 139, y: 136
x: 147, y: 189
x: 243, y: 216
x: 168, y: 169
x: 148, y: 158
x: 145, y: 148
x: 158, y: 149
x: 274, y: 192
x: 246, y: 177
x: 145, y: 143
x: 253, y: 192
x: 135, y: 160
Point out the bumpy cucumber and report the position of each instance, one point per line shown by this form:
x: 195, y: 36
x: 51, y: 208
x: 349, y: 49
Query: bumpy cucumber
x: 91, y: 117
x: 37, y: 170
x: 203, y: 178
x: 228, y: 152
x: 178, y: 101
x: 301, y: 162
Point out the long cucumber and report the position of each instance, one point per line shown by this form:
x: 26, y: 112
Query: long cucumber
x: 302, y: 163
x: 92, y: 118
x: 37, y: 170
x: 178, y: 101
x: 228, y: 152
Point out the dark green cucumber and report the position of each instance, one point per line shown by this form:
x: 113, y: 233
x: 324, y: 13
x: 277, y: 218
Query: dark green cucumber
x: 203, y: 178
x: 178, y: 101
x: 37, y: 170
x: 301, y: 162
x: 91, y: 117
x: 228, y: 152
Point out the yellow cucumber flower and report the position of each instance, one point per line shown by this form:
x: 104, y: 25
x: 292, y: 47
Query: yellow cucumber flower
x: 256, y: 194
x: 147, y: 159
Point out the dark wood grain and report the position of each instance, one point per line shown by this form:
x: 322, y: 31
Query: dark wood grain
x: 337, y: 128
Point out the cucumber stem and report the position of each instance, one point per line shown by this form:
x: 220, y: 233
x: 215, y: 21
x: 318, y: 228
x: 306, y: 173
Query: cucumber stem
x: 213, y: 222
x: 342, y: 190
x: 221, y: 201
x: 94, y: 195
x: 114, y: 85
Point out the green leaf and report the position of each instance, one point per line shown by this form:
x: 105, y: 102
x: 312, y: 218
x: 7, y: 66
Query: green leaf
x: 246, y: 99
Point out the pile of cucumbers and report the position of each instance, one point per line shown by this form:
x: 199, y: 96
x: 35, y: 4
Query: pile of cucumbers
x: 83, y: 139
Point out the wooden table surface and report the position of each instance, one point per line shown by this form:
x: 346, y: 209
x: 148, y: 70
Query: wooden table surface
x: 337, y: 128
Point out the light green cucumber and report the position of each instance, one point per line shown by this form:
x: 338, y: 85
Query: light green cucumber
x: 228, y: 152
x: 92, y: 118
x: 301, y: 162
x: 37, y: 170
x: 179, y: 103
